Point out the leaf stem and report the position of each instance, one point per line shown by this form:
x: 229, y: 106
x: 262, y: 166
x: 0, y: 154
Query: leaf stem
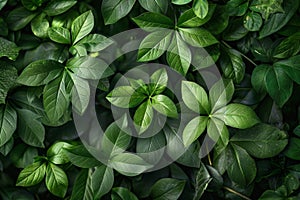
x: 246, y: 57
x: 236, y: 193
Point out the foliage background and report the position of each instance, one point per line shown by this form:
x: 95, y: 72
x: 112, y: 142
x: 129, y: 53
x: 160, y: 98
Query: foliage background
x: 48, y: 51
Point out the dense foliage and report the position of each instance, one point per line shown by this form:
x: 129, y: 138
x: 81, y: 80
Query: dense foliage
x: 55, y: 53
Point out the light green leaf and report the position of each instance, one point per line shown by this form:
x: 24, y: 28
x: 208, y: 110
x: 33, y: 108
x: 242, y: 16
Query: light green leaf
x: 82, y: 188
x: 56, y: 153
x: 56, y: 180
x: 164, y: 105
x: 40, y: 72
x: 181, y: 2
x: 237, y: 116
x: 193, y: 130
x: 197, y: 37
x: 8, y: 123
x: 30, y: 128
x: 220, y: 94
x: 95, y: 42
x: 202, y: 180
x: 179, y: 56
x: 242, y: 169
x: 278, y: 85
x: 32, y: 174
x: 195, y: 97
x: 167, y: 189
x: 158, y: 81
x: 151, y: 21
x: 8, y: 49
x: 40, y: 26
x: 113, y: 10
x: 102, y: 181
x: 200, y: 8
x: 82, y: 26
x: 154, y: 45
x: 55, y: 98
x: 59, y: 35
x: 155, y: 6
x: 57, y: 7
x: 143, y: 116
x: 2, y: 4
x: 261, y: 141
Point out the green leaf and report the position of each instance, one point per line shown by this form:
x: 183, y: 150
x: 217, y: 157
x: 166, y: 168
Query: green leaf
x: 291, y: 67
x: 197, y: 37
x: 195, y: 97
x: 279, y: 85
x: 158, y: 81
x: 23, y: 155
x: 8, y: 76
x: 30, y: 5
x: 40, y: 72
x: 89, y: 68
x: 81, y: 157
x: 80, y: 93
x: 2, y: 4
x: 261, y: 141
x: 59, y: 35
x: 82, y: 188
x: 151, y: 21
x: 19, y: 18
x: 289, y: 47
x: 252, y: 21
x: 202, y: 180
x: 181, y: 2
x: 125, y: 97
x: 200, y: 8
x: 266, y: 8
x: 56, y: 180
x: 7, y: 147
x: 236, y: 7
x: 232, y: 65
x: 155, y: 6
x: 220, y: 94
x: 279, y: 20
x: 57, y: 7
x: 258, y: 78
x: 292, y: 150
x: 40, y: 26
x: 179, y: 56
x: 32, y: 174
x: 242, y: 169
x: 30, y: 128
x: 56, y: 153
x: 235, y: 30
x: 95, y: 42
x: 193, y: 130
x: 82, y: 26
x: 8, y: 123
x: 3, y: 27
x: 112, y: 11
x: 55, y: 98
x: 102, y: 181
x: 121, y: 193
x: 129, y: 164
x: 219, y: 21
x: 8, y: 49
x: 143, y: 116
x: 164, y: 105
x: 167, y: 189
x: 237, y: 116
x: 154, y: 45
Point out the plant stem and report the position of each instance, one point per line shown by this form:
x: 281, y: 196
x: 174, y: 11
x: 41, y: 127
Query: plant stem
x: 236, y: 193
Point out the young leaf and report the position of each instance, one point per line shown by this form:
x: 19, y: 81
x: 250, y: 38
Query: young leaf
x: 8, y: 49
x: 8, y: 123
x: 56, y: 153
x: 261, y: 141
x: 167, y: 188
x: 279, y: 85
x: 32, y: 174
x: 82, y: 188
x: 197, y: 37
x: 200, y: 8
x: 164, y: 105
x: 143, y: 116
x: 40, y: 72
x: 122, y: 193
x: 30, y: 129
x: 56, y: 180
x: 55, y: 98
x: 102, y: 181
x: 150, y: 21
x: 155, y: 6
x: 242, y: 170
x: 59, y: 35
x: 82, y: 26
x: 237, y: 116
x: 154, y: 45
x: 57, y: 7
x: 193, y: 130
x: 195, y: 97
x: 113, y: 10
x: 179, y: 56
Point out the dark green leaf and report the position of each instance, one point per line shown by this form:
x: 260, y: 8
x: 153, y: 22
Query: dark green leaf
x: 82, y: 188
x: 258, y: 78
x: 291, y: 67
x: 293, y: 148
x: 235, y: 30
x: 253, y: 21
x: 120, y: 193
x: 266, y: 8
x: 288, y: 47
x: 150, y: 21
x: 57, y: 7
x: 8, y: 49
x: 202, y: 180
x: 167, y: 189
x: 8, y: 123
x: 19, y: 18
x: 8, y: 76
x: 82, y: 26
